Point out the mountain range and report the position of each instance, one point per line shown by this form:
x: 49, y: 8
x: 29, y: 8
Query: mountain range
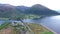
x: 7, y: 10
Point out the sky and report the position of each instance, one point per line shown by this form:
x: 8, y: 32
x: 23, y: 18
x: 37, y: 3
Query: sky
x: 52, y: 4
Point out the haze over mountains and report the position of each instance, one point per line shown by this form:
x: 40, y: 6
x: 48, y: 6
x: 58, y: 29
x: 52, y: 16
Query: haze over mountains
x: 7, y: 10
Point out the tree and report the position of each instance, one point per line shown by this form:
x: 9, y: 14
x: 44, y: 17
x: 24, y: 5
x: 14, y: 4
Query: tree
x: 21, y: 19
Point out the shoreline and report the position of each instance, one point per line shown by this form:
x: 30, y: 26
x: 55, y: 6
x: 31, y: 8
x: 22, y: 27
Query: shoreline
x: 48, y: 28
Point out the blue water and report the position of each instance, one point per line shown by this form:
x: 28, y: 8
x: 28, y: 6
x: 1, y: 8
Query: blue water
x: 53, y: 22
x: 1, y: 22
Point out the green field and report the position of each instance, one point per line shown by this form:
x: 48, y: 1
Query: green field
x: 4, y: 18
x: 4, y: 25
x: 38, y: 29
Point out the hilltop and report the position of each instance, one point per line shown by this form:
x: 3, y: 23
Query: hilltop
x: 7, y: 10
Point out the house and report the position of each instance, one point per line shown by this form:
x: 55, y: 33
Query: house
x: 16, y: 23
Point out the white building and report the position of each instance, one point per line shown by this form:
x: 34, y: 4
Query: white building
x: 15, y: 23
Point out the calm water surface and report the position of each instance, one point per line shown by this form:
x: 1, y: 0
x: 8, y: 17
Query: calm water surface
x: 53, y: 22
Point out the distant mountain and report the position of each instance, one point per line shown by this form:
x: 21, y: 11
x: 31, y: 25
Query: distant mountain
x: 41, y: 10
x: 58, y: 11
x: 22, y: 8
x: 7, y: 10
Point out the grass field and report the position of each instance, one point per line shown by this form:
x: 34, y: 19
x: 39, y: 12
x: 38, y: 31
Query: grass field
x: 4, y: 25
x: 38, y: 29
x: 6, y: 28
x: 4, y: 18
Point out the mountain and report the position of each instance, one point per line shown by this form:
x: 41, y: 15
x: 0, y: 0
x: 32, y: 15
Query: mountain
x: 58, y: 11
x: 7, y: 10
x: 41, y: 10
x: 22, y: 8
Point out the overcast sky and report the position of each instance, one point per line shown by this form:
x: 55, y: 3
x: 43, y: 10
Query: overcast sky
x: 52, y: 4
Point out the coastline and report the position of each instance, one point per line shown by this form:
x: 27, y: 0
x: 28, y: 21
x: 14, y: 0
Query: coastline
x: 49, y: 29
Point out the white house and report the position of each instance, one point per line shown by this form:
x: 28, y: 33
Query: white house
x: 15, y: 23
